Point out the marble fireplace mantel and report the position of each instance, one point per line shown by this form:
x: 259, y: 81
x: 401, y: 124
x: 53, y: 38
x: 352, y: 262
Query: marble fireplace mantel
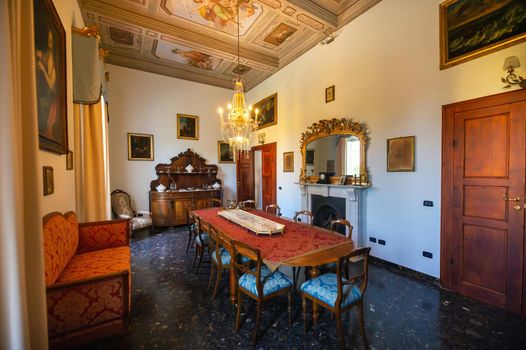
x: 353, y: 203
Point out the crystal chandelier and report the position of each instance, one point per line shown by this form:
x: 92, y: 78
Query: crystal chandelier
x: 240, y: 121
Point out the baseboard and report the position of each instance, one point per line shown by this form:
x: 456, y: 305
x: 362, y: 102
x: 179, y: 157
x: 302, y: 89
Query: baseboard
x: 405, y: 270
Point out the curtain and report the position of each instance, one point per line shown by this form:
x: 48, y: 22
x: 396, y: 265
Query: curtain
x: 23, y: 318
x: 91, y: 160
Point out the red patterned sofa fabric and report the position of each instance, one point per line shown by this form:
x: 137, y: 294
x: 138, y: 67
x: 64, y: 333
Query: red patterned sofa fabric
x: 61, y: 240
x: 87, y: 278
x: 74, y: 307
x: 96, y: 263
x: 103, y: 235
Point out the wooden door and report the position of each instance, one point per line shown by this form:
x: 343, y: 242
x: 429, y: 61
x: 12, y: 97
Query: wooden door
x: 245, y: 176
x: 483, y: 193
x: 268, y: 173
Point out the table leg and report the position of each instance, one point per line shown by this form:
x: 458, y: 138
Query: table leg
x: 314, y: 272
x: 232, y: 286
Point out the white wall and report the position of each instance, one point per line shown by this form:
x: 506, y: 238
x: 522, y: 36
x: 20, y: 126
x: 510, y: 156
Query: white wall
x: 141, y: 102
x: 63, y: 199
x: 385, y: 66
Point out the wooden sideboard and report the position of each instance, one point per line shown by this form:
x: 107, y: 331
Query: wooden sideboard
x: 168, y: 208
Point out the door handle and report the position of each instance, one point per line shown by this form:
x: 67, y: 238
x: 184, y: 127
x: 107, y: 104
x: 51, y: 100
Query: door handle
x: 516, y: 199
x: 517, y: 207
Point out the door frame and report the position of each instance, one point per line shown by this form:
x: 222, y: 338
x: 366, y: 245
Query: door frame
x: 274, y: 147
x: 448, y: 145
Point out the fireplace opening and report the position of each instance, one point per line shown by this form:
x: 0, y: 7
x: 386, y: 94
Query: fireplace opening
x: 327, y: 209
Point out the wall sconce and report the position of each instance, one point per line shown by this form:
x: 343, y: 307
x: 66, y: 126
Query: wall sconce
x: 261, y: 138
x: 510, y: 63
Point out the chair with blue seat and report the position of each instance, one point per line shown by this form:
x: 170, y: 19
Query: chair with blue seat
x: 258, y: 283
x: 335, y: 224
x: 337, y: 293
x: 273, y: 209
x: 307, y: 217
x: 201, y: 241
x: 190, y: 224
x: 217, y: 249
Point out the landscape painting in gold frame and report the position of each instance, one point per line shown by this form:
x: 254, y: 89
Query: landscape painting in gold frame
x: 224, y: 152
x: 187, y: 127
x: 268, y: 111
x: 473, y: 28
x: 401, y: 154
x: 140, y: 146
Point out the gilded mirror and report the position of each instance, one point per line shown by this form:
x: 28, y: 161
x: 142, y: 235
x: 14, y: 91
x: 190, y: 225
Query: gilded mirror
x: 335, y: 147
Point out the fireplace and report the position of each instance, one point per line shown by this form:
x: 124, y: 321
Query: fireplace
x: 335, y: 201
x: 327, y: 209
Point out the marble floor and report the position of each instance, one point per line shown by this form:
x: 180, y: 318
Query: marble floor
x: 171, y: 310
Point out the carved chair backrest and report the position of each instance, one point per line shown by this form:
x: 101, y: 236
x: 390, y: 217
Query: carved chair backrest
x: 306, y: 214
x: 335, y: 223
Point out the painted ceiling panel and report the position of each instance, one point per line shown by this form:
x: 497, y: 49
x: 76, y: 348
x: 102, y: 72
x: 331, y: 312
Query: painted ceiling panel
x: 197, y: 39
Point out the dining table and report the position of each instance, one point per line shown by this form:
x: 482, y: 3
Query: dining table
x: 299, y: 245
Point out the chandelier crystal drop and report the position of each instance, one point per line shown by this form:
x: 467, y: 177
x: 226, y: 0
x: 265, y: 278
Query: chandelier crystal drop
x: 239, y: 122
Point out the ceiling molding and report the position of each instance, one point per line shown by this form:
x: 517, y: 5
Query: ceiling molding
x: 194, y: 40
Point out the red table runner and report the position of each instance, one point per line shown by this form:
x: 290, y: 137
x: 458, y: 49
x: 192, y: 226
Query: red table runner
x: 297, y: 239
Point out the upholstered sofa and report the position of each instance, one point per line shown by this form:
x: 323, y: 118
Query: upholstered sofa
x: 87, y: 273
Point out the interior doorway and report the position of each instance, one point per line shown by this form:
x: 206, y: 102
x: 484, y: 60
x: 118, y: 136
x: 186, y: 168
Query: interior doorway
x: 256, y: 175
x: 483, y: 190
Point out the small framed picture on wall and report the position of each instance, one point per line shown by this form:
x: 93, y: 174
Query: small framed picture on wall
x: 401, y: 154
x: 224, y: 152
x: 288, y: 162
x: 329, y: 94
x: 187, y: 127
x: 140, y: 146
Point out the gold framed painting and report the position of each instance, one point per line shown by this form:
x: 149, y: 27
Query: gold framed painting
x: 401, y: 154
x: 329, y: 94
x: 49, y: 181
x: 140, y: 146
x: 187, y: 127
x: 288, y: 162
x: 224, y: 152
x: 50, y: 74
x: 268, y: 111
x: 474, y: 28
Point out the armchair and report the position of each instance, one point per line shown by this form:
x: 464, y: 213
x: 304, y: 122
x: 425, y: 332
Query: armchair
x: 122, y: 209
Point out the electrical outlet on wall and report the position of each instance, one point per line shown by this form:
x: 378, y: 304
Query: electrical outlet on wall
x: 372, y: 239
x: 381, y: 242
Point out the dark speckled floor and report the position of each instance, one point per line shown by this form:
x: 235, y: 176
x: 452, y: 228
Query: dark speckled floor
x: 170, y: 310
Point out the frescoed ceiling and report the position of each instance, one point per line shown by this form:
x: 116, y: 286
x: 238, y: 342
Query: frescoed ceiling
x: 197, y: 39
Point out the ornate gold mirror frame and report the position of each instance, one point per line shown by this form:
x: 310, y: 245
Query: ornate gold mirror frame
x: 329, y: 127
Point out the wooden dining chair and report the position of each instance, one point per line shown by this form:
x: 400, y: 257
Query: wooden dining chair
x: 258, y: 283
x: 334, y: 226
x: 273, y: 209
x: 339, y: 294
x: 201, y: 242
x: 249, y: 203
x: 339, y: 222
x: 190, y: 224
x: 214, y: 202
x: 306, y: 215
x: 308, y: 218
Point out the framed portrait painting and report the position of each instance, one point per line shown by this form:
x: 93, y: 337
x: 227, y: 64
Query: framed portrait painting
x: 224, y: 152
x: 187, y: 127
x: 473, y: 28
x: 50, y: 70
x: 268, y: 111
x: 401, y: 154
x: 140, y: 146
x: 288, y: 162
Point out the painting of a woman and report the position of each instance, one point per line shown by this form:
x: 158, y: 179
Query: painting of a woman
x: 50, y: 78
